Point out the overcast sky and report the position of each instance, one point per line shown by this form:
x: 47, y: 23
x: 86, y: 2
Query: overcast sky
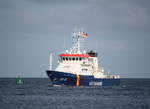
x: 119, y: 30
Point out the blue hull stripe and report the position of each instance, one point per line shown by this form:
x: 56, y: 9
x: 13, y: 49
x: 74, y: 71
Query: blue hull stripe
x: 62, y: 78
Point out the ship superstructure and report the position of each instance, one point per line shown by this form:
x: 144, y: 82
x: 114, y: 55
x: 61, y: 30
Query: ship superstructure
x: 77, y: 67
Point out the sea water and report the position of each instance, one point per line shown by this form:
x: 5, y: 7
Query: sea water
x: 38, y: 93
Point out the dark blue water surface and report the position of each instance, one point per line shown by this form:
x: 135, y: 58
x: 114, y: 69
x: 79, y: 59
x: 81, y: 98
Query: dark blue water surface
x: 39, y: 94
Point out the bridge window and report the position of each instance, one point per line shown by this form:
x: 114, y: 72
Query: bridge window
x: 66, y: 58
x: 73, y: 59
x: 77, y: 59
x: 70, y: 59
x: 80, y: 58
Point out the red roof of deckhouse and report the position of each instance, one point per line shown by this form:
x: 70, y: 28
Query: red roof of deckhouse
x: 75, y: 55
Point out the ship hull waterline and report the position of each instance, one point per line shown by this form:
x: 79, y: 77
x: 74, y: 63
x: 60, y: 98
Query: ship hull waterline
x: 67, y: 79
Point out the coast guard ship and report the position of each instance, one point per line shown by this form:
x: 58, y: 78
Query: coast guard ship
x: 80, y: 68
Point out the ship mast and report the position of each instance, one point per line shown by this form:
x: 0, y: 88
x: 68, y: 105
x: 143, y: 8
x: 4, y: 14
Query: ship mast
x: 76, y: 41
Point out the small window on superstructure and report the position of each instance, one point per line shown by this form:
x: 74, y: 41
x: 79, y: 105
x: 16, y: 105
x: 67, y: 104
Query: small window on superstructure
x: 80, y: 58
x: 84, y: 69
x: 76, y: 58
x: 70, y: 58
x: 73, y: 59
x: 66, y: 58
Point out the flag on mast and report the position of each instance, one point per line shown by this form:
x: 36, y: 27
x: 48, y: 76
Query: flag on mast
x: 85, y: 35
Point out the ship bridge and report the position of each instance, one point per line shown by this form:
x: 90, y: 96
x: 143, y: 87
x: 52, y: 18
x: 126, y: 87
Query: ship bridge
x: 76, y: 61
x: 84, y: 64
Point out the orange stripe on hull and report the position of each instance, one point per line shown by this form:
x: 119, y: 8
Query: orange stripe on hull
x: 78, y: 80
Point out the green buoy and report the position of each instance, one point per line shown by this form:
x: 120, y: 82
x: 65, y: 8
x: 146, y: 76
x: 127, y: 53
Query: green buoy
x: 19, y: 80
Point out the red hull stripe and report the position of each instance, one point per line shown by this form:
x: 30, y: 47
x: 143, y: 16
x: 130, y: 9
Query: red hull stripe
x: 75, y: 55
